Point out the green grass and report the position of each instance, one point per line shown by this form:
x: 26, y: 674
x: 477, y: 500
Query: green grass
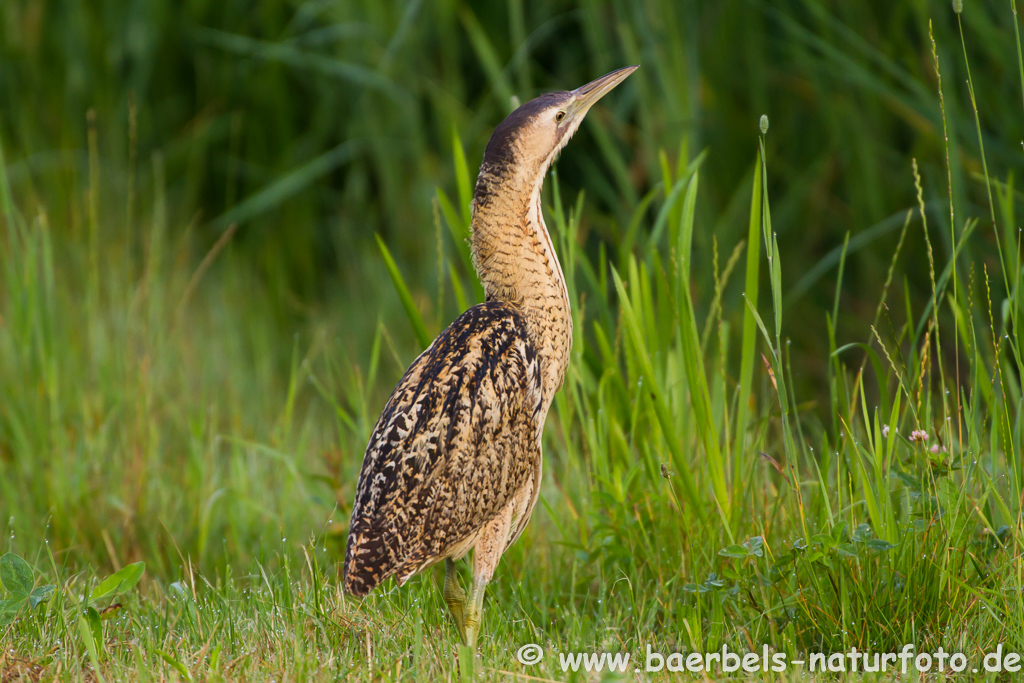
x: 186, y: 402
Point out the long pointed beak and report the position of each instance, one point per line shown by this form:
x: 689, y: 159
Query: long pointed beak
x: 585, y: 96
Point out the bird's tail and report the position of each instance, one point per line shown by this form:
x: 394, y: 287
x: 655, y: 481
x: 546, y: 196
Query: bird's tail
x: 367, y: 562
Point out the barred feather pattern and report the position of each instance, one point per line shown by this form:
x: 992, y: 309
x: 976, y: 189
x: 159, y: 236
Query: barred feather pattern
x: 457, y: 443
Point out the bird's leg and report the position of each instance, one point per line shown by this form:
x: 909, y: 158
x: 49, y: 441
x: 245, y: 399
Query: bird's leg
x: 486, y: 553
x: 455, y: 597
x: 474, y: 612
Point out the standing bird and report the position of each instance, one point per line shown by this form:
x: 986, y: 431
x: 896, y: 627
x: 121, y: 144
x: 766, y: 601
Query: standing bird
x: 454, y: 462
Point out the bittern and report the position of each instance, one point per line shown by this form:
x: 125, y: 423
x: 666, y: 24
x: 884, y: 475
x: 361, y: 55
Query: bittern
x: 454, y: 462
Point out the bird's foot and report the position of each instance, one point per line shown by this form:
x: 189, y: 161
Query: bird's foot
x: 455, y: 598
x: 474, y: 614
x: 456, y: 608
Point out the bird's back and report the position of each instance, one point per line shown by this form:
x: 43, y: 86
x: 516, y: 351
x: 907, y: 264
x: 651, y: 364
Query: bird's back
x: 457, y: 441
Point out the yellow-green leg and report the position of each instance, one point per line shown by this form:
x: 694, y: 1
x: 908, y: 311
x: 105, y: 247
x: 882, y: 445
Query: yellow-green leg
x: 455, y: 597
x: 486, y: 554
x: 474, y: 612
x: 487, y: 550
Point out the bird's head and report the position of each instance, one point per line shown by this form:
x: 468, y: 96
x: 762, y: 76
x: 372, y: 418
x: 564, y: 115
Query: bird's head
x: 528, y: 140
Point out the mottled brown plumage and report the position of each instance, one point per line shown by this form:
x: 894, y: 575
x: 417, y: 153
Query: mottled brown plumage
x: 457, y: 441
x: 454, y: 462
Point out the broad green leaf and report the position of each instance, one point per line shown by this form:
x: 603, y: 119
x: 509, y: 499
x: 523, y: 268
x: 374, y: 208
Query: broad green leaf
x: 121, y: 581
x: 847, y: 550
x: 879, y: 545
x: 9, y: 609
x: 16, y: 575
x: 713, y: 580
x: 755, y: 544
x: 908, y: 481
x: 824, y: 539
x: 785, y: 558
x: 41, y: 594
x: 735, y: 551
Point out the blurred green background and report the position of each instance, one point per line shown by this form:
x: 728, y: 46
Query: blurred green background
x: 243, y: 370
x: 315, y: 125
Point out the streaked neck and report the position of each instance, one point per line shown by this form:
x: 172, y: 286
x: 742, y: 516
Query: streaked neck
x: 516, y: 261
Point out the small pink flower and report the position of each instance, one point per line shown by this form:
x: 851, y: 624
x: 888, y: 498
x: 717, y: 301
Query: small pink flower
x: 885, y: 431
x: 937, y: 449
x: 919, y: 435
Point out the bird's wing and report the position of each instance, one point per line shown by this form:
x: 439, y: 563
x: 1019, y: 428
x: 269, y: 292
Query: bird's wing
x: 459, y: 437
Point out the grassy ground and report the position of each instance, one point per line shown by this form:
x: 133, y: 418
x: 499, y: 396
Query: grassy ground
x: 173, y: 401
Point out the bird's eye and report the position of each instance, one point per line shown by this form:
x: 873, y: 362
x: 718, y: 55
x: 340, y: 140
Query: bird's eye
x: 559, y: 117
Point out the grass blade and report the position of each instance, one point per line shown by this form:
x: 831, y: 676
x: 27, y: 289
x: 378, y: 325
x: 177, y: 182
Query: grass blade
x: 411, y: 311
